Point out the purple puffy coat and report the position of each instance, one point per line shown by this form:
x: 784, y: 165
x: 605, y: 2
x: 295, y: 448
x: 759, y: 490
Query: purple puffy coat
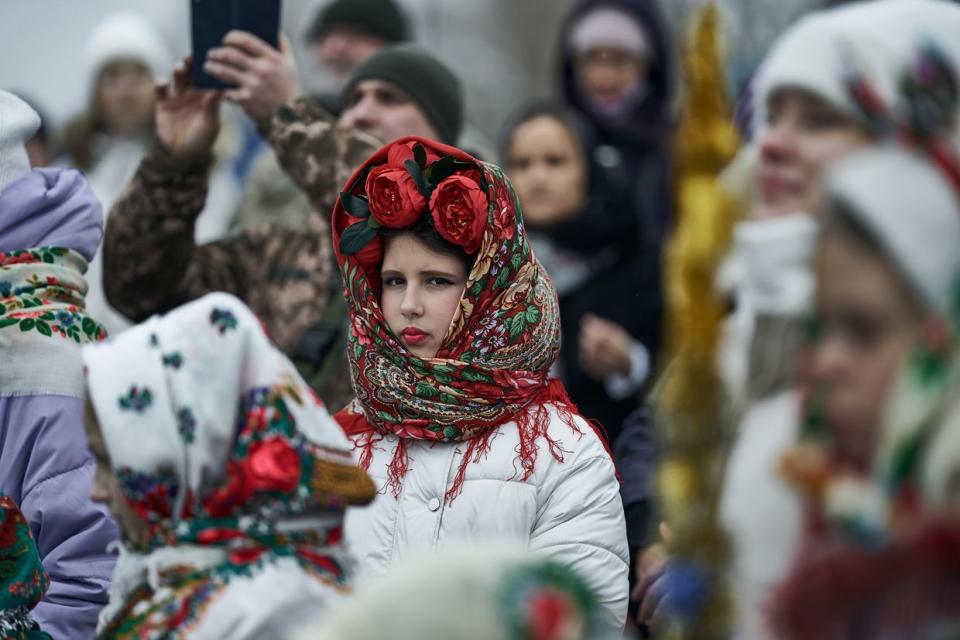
x: 45, y: 465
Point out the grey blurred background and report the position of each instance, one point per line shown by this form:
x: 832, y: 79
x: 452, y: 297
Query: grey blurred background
x: 503, y: 50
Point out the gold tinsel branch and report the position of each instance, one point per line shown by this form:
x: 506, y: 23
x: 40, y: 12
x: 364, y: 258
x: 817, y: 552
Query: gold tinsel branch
x: 690, y: 403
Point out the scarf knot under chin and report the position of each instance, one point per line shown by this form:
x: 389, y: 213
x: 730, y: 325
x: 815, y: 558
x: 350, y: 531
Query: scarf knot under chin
x: 493, y: 367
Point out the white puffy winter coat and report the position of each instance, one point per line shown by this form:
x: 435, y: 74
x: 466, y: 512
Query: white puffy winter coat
x: 569, y: 511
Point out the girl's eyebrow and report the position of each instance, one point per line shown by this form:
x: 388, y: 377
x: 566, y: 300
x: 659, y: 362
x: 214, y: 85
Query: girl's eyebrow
x: 442, y: 274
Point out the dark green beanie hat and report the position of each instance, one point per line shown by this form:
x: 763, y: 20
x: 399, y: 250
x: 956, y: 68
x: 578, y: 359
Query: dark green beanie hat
x: 428, y: 81
x: 381, y: 18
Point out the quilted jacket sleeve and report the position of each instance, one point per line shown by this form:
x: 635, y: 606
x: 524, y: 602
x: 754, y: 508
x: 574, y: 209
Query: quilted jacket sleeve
x: 74, y: 534
x: 580, y: 520
x: 316, y: 153
x: 71, y: 531
x: 152, y: 264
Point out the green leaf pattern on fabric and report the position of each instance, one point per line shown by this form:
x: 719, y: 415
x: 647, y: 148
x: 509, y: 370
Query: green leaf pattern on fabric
x: 41, y: 291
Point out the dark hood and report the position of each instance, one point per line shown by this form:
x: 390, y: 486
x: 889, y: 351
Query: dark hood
x: 651, y: 116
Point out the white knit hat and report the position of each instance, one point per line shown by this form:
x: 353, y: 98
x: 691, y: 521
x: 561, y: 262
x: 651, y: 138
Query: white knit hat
x: 881, y: 37
x: 18, y: 122
x: 911, y: 209
x: 611, y: 27
x: 127, y: 35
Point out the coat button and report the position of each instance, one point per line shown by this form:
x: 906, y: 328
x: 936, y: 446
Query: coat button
x: 434, y: 504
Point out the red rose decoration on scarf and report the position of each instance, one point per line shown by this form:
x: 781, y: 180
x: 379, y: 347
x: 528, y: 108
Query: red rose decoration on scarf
x: 273, y: 465
x: 395, y: 200
x: 505, y: 215
x: 459, y: 210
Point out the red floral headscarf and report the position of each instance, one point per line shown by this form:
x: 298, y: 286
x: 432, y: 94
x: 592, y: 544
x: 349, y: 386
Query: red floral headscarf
x: 493, y: 366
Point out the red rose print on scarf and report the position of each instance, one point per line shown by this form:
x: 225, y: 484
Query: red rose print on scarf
x: 361, y: 332
x: 504, y: 215
x: 459, y: 210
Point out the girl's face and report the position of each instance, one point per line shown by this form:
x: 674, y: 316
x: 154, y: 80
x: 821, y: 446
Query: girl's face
x: 804, y: 134
x: 420, y: 294
x: 548, y: 171
x: 104, y: 488
x: 869, y: 325
x: 126, y: 96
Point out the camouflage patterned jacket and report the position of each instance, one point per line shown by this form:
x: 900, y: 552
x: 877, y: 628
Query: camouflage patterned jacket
x: 152, y: 264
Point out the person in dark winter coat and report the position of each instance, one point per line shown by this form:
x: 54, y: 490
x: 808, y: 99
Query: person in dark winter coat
x: 584, y: 232
x: 617, y: 70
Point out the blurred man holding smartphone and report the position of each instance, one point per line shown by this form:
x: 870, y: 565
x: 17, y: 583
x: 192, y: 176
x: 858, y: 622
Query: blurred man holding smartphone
x: 284, y: 272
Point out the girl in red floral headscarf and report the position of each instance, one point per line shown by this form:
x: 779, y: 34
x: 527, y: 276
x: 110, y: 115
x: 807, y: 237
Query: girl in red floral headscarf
x: 454, y: 329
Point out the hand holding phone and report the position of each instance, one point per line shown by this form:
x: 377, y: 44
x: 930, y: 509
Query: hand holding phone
x: 264, y: 78
x: 212, y: 20
x: 187, y: 118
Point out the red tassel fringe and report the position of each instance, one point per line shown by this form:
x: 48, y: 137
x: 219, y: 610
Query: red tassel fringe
x: 398, y: 467
x: 533, y: 424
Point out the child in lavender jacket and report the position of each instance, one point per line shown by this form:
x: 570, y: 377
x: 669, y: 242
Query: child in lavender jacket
x: 50, y: 227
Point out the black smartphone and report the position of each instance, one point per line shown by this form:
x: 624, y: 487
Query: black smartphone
x: 211, y: 20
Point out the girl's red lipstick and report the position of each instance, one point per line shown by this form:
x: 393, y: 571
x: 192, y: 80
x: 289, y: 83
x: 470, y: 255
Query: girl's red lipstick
x: 413, y: 336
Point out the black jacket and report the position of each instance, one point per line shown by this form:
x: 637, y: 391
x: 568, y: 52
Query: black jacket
x: 626, y: 290
x: 636, y: 151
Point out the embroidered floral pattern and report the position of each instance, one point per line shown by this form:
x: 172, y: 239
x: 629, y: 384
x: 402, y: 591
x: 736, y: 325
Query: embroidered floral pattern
x: 46, y: 255
x: 223, y: 319
x: 45, y: 295
x: 173, y: 360
x: 150, y: 494
x: 136, y: 399
x: 70, y: 323
x: 273, y: 469
x: 186, y: 424
x: 189, y: 593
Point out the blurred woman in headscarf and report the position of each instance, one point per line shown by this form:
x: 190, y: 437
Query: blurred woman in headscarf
x: 226, y: 474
